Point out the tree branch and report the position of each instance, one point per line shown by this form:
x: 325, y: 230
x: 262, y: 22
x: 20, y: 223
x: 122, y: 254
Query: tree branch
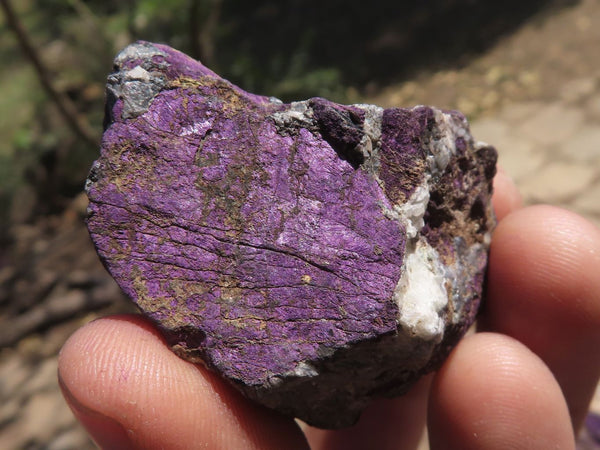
x: 202, y: 42
x: 194, y: 30
x: 66, y: 108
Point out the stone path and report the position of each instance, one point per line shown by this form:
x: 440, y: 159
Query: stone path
x: 544, y: 120
x: 552, y: 149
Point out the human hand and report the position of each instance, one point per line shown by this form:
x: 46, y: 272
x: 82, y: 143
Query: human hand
x: 525, y: 382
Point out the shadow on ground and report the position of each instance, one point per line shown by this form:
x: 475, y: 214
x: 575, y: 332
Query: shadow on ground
x: 356, y: 43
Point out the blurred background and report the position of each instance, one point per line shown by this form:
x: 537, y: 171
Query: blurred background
x: 526, y: 73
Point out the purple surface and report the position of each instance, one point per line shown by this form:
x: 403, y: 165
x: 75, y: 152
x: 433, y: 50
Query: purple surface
x: 592, y: 425
x: 261, y: 236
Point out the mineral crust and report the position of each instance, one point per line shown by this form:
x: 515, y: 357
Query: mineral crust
x: 315, y: 255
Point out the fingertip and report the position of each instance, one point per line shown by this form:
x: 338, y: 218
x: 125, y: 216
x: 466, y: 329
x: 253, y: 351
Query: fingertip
x: 119, y: 370
x: 106, y: 432
x: 544, y: 290
x: 494, y: 393
x: 546, y: 258
x: 506, y: 198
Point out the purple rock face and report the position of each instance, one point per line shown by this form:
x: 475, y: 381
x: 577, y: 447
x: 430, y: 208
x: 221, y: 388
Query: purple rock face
x: 315, y: 255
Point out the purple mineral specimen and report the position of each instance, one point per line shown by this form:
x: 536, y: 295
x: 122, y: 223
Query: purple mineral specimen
x: 314, y: 255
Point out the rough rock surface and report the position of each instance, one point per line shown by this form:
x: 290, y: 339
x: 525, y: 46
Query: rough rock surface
x: 315, y: 255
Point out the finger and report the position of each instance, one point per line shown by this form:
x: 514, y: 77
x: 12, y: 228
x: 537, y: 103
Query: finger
x: 506, y: 196
x: 494, y: 393
x: 544, y: 290
x: 130, y: 391
x: 385, y: 424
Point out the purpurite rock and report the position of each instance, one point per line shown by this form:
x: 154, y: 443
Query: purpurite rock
x: 315, y: 255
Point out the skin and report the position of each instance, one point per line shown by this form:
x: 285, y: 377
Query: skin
x: 524, y: 381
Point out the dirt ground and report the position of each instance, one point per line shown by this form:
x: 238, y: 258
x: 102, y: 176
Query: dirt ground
x: 535, y: 95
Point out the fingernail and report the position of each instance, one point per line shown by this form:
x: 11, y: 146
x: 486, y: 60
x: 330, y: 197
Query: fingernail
x: 105, y: 431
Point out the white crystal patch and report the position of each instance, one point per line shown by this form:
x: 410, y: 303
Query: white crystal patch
x: 137, y: 73
x: 411, y: 213
x: 421, y: 293
x: 303, y: 369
